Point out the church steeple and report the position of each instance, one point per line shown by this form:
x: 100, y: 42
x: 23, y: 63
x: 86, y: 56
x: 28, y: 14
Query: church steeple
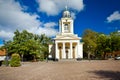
x: 66, y: 22
x: 66, y: 13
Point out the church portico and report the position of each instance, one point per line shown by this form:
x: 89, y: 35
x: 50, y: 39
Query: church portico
x: 66, y: 49
x: 66, y: 45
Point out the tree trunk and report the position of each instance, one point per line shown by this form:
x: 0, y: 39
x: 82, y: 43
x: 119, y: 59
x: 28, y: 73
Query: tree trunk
x: 104, y: 55
x: 89, y: 56
x: 34, y: 58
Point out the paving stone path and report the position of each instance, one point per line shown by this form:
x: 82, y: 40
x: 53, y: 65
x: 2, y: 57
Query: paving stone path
x: 63, y: 70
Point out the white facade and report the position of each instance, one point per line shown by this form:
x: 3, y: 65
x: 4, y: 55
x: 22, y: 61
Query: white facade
x: 66, y: 45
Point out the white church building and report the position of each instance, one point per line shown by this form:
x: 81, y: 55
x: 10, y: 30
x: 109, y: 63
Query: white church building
x: 66, y: 45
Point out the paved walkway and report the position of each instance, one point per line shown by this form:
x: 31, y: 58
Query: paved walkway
x: 63, y: 70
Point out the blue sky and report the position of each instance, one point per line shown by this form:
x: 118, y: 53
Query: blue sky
x: 42, y: 16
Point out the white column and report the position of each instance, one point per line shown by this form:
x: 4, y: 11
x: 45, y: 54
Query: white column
x: 82, y: 50
x: 78, y: 50
x: 56, y: 50
x: 71, y: 50
x: 63, y: 52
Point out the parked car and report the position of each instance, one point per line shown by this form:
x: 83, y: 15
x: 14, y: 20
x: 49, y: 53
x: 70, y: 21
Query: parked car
x: 117, y: 58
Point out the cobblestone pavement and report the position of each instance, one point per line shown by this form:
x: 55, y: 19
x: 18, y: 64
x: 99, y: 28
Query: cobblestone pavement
x: 63, y: 70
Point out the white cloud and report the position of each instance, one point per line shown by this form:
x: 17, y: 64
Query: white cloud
x: 54, y: 7
x: 113, y: 17
x: 12, y: 17
x: 73, y: 15
x: 48, y: 6
x: 48, y: 29
x: 50, y: 24
x: 6, y: 35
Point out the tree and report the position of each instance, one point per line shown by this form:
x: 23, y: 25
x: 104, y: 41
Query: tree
x: 45, y: 41
x: 21, y: 41
x: 103, y: 44
x: 89, y: 39
x: 34, y: 48
x: 115, y: 41
x: 28, y: 44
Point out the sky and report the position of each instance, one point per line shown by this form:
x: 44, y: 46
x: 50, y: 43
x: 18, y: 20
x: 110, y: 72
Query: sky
x: 42, y: 16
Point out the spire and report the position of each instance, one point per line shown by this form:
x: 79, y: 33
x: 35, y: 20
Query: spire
x: 66, y: 8
x: 66, y: 12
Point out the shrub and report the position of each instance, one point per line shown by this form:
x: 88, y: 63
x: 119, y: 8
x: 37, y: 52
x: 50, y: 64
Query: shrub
x: 5, y: 63
x: 15, y: 60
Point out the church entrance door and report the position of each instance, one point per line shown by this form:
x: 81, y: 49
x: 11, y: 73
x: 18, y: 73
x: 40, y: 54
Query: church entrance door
x: 73, y: 52
x: 60, y: 54
x: 66, y: 54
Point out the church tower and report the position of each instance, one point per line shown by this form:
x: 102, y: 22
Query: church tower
x: 66, y: 23
x: 66, y: 45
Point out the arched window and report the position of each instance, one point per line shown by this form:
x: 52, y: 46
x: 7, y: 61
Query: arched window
x: 66, y: 28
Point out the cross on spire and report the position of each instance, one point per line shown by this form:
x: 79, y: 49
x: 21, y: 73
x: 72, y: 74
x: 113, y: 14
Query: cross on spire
x: 66, y: 8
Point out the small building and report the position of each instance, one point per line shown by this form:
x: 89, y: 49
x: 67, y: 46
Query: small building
x: 112, y: 54
x: 2, y: 56
x: 66, y: 45
x: 116, y: 53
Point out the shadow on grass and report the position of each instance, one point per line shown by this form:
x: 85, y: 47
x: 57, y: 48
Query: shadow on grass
x: 113, y: 75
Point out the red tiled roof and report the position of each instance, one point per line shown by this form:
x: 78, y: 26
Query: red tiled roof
x: 2, y: 52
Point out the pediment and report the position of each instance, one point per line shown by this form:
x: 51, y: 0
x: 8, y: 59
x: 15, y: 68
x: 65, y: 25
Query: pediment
x: 69, y: 37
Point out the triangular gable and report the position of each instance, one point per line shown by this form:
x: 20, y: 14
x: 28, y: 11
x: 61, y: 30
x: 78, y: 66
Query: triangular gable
x: 69, y: 37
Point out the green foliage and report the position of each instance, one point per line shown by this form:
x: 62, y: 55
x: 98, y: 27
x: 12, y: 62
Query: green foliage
x: 89, y: 39
x: 41, y: 58
x: 104, y: 43
x: 115, y: 41
x: 100, y: 44
x: 25, y: 43
x: 4, y: 62
x: 15, y: 60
